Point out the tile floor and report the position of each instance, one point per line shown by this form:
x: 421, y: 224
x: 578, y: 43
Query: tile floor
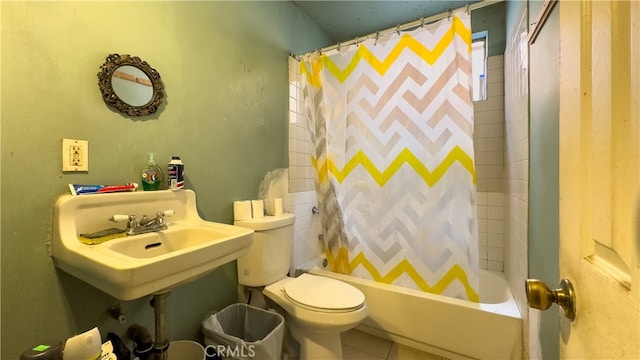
x: 359, y: 345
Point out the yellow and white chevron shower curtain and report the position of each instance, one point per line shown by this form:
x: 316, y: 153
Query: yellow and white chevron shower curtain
x: 392, y: 124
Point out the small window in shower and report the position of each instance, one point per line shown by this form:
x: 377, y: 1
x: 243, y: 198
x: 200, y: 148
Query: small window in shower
x: 479, y: 66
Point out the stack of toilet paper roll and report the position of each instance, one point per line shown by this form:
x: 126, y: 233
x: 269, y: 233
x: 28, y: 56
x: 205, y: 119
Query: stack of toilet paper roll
x: 253, y: 209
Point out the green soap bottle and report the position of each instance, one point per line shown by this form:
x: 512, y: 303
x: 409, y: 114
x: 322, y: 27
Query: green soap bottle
x: 151, y: 175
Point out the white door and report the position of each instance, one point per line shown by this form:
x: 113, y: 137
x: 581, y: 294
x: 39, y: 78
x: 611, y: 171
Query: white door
x: 600, y: 177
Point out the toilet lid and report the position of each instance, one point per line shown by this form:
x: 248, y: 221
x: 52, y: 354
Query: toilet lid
x: 322, y: 293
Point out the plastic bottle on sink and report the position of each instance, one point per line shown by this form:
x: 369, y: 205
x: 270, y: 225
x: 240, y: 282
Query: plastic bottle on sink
x: 175, y: 173
x: 151, y: 175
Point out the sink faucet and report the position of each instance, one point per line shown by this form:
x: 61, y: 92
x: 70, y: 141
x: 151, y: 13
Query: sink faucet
x: 145, y: 224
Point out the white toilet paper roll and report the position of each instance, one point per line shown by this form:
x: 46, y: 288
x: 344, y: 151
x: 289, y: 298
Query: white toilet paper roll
x: 241, y: 210
x: 277, y: 206
x: 257, y: 208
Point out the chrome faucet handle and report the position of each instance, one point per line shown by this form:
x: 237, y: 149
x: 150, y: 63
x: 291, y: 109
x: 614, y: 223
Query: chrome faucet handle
x: 145, y: 224
x: 130, y: 219
x: 160, y: 215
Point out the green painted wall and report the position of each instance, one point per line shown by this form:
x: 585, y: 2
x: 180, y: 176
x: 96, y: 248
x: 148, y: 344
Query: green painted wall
x: 544, y: 171
x: 224, y: 66
x: 491, y: 19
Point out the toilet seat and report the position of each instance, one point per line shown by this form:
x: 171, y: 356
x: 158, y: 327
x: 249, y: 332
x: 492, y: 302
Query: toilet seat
x: 318, y: 293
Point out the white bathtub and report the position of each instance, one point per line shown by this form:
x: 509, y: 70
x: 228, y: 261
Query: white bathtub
x: 441, y: 325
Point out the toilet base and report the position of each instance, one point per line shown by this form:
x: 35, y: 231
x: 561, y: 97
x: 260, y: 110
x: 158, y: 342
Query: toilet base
x: 321, y: 346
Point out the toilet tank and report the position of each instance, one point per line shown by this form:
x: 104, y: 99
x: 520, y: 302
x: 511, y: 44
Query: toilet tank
x: 269, y: 256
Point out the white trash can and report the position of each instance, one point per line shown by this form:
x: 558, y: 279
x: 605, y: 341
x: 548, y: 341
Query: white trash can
x: 185, y: 350
x: 242, y: 331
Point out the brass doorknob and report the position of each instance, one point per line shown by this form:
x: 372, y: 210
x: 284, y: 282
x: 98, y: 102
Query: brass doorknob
x: 540, y: 296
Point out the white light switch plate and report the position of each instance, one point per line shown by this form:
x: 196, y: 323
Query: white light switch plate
x: 75, y: 155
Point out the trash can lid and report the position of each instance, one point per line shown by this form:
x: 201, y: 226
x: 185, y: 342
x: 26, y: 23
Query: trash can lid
x: 324, y: 294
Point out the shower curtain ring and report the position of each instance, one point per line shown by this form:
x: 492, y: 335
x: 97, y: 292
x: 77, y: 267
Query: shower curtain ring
x: 450, y: 13
x: 398, y: 29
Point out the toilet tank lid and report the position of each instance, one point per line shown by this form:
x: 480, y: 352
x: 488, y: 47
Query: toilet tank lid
x: 267, y: 222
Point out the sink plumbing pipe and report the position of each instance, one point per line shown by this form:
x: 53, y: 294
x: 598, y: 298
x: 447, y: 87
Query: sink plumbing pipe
x: 143, y: 345
x: 159, y: 304
x: 145, y: 348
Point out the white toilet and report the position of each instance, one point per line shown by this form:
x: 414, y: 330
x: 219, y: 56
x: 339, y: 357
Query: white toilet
x: 316, y: 309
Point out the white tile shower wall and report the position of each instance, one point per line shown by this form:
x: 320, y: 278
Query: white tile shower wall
x: 302, y: 196
x: 489, y: 155
x: 488, y: 138
x: 517, y: 164
x: 306, y: 245
x: 491, y: 230
x: 301, y: 173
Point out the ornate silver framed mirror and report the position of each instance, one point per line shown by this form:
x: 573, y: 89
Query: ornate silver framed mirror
x: 130, y: 85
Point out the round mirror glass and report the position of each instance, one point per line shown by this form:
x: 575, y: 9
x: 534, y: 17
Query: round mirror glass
x: 130, y: 85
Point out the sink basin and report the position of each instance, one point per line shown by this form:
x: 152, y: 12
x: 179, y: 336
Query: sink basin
x: 139, y: 265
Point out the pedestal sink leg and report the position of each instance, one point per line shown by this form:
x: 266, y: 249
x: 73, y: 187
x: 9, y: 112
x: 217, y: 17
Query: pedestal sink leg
x: 160, y: 306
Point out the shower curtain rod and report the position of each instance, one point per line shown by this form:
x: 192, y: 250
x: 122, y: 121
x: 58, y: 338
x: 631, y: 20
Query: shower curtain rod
x: 398, y: 28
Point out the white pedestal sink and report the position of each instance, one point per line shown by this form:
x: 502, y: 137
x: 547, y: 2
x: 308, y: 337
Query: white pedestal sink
x: 139, y: 265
